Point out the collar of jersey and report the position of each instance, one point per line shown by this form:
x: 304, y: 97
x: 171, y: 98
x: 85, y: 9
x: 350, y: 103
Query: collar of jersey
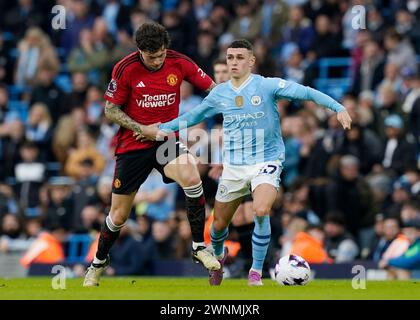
x: 242, y: 86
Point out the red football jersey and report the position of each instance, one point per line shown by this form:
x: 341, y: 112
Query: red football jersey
x: 150, y: 96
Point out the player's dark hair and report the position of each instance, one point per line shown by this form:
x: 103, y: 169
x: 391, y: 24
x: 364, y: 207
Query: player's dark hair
x: 151, y: 37
x: 242, y: 43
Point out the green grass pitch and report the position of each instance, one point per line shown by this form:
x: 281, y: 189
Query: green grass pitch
x: 162, y: 288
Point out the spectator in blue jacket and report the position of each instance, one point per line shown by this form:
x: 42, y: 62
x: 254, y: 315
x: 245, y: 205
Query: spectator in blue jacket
x: 403, y: 266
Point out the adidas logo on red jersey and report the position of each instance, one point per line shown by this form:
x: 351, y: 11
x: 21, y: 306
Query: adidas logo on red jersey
x: 140, y: 85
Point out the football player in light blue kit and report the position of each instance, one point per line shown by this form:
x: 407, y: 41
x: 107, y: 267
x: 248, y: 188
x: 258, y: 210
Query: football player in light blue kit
x: 253, y: 147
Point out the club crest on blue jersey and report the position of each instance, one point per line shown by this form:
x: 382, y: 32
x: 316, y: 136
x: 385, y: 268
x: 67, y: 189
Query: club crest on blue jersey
x: 256, y: 100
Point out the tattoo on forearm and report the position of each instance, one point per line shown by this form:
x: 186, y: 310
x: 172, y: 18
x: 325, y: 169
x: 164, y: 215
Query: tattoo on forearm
x: 113, y: 112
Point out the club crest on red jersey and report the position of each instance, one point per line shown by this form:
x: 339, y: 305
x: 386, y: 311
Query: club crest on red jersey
x: 172, y: 79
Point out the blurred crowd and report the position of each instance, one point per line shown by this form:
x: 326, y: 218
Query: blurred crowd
x: 345, y: 195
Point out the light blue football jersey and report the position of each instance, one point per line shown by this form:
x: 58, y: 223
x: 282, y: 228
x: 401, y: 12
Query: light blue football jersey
x: 251, y: 121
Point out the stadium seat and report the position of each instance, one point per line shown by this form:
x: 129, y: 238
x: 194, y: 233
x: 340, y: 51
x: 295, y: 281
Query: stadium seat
x: 20, y: 108
x: 78, y: 247
x: 335, y: 87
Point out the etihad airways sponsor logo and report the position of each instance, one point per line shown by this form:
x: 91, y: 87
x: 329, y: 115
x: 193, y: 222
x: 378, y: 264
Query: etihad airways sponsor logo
x: 244, y: 116
x: 156, y: 101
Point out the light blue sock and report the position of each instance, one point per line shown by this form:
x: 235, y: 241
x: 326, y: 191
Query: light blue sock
x: 260, y: 241
x: 218, y: 240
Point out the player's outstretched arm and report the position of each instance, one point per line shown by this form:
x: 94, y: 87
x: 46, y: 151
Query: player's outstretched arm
x: 190, y: 118
x: 293, y: 90
x: 114, y: 113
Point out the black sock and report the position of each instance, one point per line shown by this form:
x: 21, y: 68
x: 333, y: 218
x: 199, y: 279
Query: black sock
x: 106, y: 240
x: 196, y: 214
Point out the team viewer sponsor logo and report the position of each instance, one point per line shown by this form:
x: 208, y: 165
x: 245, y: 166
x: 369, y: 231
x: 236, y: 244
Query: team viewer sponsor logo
x: 156, y: 101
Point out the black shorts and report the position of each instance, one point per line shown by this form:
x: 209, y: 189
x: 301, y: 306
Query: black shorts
x: 133, y: 168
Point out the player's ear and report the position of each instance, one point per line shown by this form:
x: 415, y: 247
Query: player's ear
x: 252, y: 61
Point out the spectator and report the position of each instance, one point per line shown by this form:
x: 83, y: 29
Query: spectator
x: 35, y: 53
x: 398, y: 152
x: 16, y: 235
x: 11, y: 234
x: 65, y: 133
x: 90, y: 57
x: 246, y: 25
x: 392, y: 244
x: 339, y: 243
x: 24, y: 15
x: 124, y: 46
x: 47, y: 248
x: 130, y: 256
x: 273, y: 18
x: 77, y: 97
x: 371, y: 70
x: 30, y: 175
x: 411, y: 104
x: 376, y: 24
x: 102, y: 196
x: 11, y: 143
x: 392, y: 78
x: 105, y: 144
x: 7, y: 200
x: 402, y: 266
x: 265, y: 64
x: 183, y: 240
x: 293, y: 66
x: 364, y: 145
x: 39, y: 130
x: 164, y: 238
x: 94, y: 105
x: 156, y: 198
x: 188, y: 99
x: 309, y: 245
x: 81, y: 18
x: 400, y: 52
x: 172, y: 22
x: 89, y: 220
x: 350, y: 194
x: 60, y: 205
x: 299, y: 30
x: 85, y: 151
x: 410, y: 211
x: 400, y: 195
x: 326, y: 42
x: 48, y: 93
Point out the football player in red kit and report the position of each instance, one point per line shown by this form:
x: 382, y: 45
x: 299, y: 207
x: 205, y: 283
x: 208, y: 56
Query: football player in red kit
x: 145, y: 89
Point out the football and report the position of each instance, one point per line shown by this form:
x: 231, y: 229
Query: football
x: 292, y: 270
